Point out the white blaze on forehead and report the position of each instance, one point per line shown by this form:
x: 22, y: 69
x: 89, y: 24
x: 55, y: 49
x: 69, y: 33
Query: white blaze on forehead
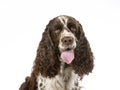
x: 63, y: 20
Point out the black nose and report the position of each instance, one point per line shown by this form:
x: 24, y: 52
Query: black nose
x: 67, y: 40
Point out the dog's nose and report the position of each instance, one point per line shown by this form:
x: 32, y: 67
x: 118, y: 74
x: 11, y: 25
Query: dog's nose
x: 67, y: 40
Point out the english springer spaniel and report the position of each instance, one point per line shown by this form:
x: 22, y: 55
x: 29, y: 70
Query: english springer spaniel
x: 63, y: 57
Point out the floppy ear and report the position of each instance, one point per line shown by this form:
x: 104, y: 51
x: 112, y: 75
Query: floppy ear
x: 46, y: 62
x: 29, y: 84
x: 25, y: 85
x: 83, y: 62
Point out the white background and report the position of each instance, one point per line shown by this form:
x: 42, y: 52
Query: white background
x: 23, y: 21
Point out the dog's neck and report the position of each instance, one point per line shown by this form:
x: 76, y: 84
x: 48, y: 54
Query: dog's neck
x: 67, y: 76
x: 65, y: 71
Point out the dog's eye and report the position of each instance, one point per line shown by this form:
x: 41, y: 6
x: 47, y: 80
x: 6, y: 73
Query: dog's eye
x: 58, y: 28
x: 72, y: 26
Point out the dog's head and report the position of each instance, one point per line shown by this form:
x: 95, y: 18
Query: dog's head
x: 63, y: 40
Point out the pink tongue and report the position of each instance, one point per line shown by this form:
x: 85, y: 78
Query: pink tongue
x: 67, y: 56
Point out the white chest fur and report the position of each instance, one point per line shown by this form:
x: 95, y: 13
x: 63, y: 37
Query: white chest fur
x: 64, y: 81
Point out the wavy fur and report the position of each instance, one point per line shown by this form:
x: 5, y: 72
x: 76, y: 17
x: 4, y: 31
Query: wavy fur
x: 83, y: 62
x: 47, y: 61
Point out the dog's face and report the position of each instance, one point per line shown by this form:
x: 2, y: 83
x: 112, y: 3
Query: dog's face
x: 63, y: 41
x: 64, y: 33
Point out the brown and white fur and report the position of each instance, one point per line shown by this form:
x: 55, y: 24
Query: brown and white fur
x: 50, y: 72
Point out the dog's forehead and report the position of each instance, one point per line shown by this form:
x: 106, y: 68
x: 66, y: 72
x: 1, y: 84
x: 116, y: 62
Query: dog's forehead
x: 66, y: 19
x: 63, y: 20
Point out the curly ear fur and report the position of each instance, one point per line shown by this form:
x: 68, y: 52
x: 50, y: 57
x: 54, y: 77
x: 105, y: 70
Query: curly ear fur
x: 25, y: 85
x: 29, y: 84
x: 83, y: 62
x: 47, y: 61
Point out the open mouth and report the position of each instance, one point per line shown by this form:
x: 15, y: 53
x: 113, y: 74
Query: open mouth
x: 67, y: 55
x: 68, y: 49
